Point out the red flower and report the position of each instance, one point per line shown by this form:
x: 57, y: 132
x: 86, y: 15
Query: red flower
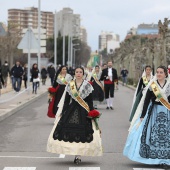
x: 93, y: 114
x: 91, y: 82
x: 51, y: 90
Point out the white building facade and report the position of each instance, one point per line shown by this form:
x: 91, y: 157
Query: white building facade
x: 68, y: 23
x: 108, y: 40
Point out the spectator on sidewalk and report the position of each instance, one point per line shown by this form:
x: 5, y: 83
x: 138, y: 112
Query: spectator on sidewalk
x: 51, y: 72
x: 35, y: 78
x: 12, y: 77
x: 43, y: 75
x: 1, y: 81
x: 25, y: 75
x: 71, y: 71
x: 17, y: 73
x: 5, y: 72
x: 124, y: 74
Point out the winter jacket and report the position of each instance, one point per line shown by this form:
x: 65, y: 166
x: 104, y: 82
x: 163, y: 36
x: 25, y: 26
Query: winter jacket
x: 17, y: 71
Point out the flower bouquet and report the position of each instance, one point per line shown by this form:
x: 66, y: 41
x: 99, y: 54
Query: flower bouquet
x: 94, y: 115
x: 51, y: 93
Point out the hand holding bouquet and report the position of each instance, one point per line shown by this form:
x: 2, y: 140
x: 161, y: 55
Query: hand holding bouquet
x: 94, y: 115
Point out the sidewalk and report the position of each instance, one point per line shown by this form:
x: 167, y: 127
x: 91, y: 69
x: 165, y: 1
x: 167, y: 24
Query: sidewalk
x: 11, y: 102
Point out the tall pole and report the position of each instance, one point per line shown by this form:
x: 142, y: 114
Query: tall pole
x: 55, y: 41
x: 63, y: 45
x: 74, y: 52
x: 71, y: 51
x: 39, y: 33
x: 69, y: 64
x: 29, y: 58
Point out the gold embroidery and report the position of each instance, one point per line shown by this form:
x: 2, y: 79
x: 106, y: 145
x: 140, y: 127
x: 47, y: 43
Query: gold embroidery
x: 62, y: 79
x: 159, y: 96
x: 155, y: 89
x: 145, y: 80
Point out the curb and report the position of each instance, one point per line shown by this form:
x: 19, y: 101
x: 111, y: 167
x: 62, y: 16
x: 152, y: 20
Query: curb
x: 21, y: 106
x: 129, y: 86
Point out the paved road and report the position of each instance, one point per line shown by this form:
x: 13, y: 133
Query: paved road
x: 23, y: 138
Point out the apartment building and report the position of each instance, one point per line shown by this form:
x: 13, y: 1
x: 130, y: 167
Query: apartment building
x: 83, y: 34
x: 18, y: 19
x: 68, y: 23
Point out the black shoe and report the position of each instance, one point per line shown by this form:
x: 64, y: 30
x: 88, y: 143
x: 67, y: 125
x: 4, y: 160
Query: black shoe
x: 77, y: 160
x: 111, y: 108
x: 107, y: 108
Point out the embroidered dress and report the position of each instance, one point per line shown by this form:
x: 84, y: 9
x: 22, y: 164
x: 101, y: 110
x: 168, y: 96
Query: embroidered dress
x: 98, y: 93
x: 149, y: 141
x: 60, y: 84
x: 138, y: 94
x: 74, y: 133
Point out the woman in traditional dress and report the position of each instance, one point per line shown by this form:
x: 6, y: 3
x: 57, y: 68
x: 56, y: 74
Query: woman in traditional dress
x: 74, y: 133
x: 98, y: 93
x: 61, y: 79
x: 149, y: 138
x: 143, y: 82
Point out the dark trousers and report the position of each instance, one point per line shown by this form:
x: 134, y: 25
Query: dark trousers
x: 34, y: 86
x: 52, y: 80
x: 109, y: 90
x: 17, y: 84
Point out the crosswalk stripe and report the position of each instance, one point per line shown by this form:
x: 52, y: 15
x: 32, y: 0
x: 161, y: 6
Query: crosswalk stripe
x: 84, y: 168
x: 19, y: 168
x: 34, y: 157
x: 146, y: 169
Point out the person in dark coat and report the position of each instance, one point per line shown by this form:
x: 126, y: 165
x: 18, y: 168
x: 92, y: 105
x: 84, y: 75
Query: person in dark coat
x: 43, y: 75
x: 34, y: 78
x: 17, y: 73
x: 109, y: 75
x: 51, y: 72
x: 1, y: 81
x: 25, y: 75
x: 5, y: 72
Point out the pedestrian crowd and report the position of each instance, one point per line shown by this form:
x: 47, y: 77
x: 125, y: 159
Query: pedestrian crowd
x: 17, y: 76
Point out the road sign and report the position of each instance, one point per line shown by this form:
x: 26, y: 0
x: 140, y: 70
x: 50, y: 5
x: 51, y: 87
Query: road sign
x: 28, y: 41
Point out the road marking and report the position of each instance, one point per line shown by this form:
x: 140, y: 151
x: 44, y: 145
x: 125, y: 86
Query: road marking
x: 146, y: 169
x: 20, y: 168
x: 84, y: 168
x: 61, y: 156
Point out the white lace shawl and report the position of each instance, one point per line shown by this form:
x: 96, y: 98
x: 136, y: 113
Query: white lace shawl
x: 85, y: 89
x: 68, y: 78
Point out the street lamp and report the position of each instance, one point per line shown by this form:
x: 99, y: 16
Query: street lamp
x: 55, y: 41
x: 74, y: 56
x: 39, y: 32
x: 63, y: 42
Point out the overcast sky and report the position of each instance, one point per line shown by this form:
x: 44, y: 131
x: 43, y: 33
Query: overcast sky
x: 117, y: 16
